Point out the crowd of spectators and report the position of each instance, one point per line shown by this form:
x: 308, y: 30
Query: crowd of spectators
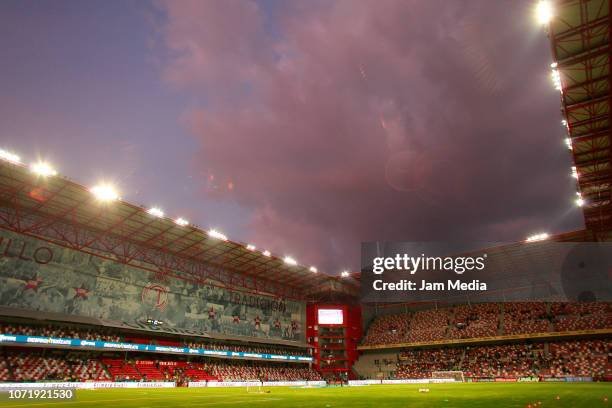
x: 505, y: 361
x: 470, y: 321
x: 581, y: 316
x: 526, y: 317
x: 388, y: 329
x: 248, y: 370
x: 487, y: 320
x: 421, y: 363
x: 50, y: 330
x: 428, y: 325
x: 46, y: 365
x: 581, y: 358
x: 588, y: 358
x: 251, y: 348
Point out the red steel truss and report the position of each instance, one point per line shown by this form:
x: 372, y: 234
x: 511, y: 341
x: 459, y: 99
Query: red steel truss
x: 61, y: 211
x: 580, y: 40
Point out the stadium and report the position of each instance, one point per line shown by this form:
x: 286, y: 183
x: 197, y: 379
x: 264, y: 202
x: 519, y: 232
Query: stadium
x: 105, y: 302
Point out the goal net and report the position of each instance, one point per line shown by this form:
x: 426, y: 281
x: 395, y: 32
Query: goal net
x: 254, y: 386
x: 448, y: 375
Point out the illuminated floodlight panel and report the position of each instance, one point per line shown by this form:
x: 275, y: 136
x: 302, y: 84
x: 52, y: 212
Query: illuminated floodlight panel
x: 538, y: 237
x: 9, y: 157
x: 216, y: 234
x: 156, y: 212
x: 251, y: 247
x: 290, y: 261
x: 43, y: 169
x: 331, y: 316
x: 181, y: 221
x: 345, y: 274
x: 266, y: 253
x: 544, y: 12
x: 105, y: 192
x: 313, y: 269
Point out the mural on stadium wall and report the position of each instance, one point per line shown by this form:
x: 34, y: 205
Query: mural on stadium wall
x: 38, y: 275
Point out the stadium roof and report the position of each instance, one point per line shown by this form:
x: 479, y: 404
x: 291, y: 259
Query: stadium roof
x: 579, y: 31
x: 43, y: 207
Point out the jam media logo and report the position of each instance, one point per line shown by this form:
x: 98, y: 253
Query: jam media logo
x: 155, y: 295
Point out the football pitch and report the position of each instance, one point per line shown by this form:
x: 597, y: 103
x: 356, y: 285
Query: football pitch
x: 496, y: 395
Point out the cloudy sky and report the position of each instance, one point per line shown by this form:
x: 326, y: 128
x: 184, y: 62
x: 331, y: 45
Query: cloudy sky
x: 305, y: 127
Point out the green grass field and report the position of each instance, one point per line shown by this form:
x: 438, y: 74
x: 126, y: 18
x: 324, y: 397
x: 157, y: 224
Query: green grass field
x: 496, y: 395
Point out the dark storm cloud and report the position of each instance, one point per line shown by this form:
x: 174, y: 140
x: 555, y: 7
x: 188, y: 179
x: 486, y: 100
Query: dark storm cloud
x: 364, y: 120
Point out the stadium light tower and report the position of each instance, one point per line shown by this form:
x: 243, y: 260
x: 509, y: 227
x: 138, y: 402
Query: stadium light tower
x: 544, y: 12
x: 105, y: 192
x: 43, y: 169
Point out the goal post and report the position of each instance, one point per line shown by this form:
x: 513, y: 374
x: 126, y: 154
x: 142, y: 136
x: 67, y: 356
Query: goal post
x: 452, y: 375
x: 254, y: 386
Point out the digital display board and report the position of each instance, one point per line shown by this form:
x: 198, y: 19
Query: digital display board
x: 331, y: 316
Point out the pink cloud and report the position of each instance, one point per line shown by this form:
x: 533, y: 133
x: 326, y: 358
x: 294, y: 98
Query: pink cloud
x: 360, y: 120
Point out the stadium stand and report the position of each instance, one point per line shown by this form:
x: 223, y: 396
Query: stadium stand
x: 486, y: 320
x: 45, y: 364
x: 591, y: 358
x: 35, y: 367
x: 121, y: 370
x: 472, y: 321
x: 525, y: 317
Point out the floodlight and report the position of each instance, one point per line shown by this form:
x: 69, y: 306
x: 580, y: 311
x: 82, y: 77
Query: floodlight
x: 156, y: 212
x: 250, y: 247
x: 574, y: 172
x: 554, y: 65
x: 313, y: 269
x: 544, y: 12
x: 266, y: 253
x: 568, y: 143
x: 556, y: 78
x: 43, y: 169
x: 345, y: 274
x: 579, y: 201
x: 105, y: 192
x: 537, y: 237
x: 216, y: 234
x: 290, y: 261
x: 181, y: 221
x: 9, y: 157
